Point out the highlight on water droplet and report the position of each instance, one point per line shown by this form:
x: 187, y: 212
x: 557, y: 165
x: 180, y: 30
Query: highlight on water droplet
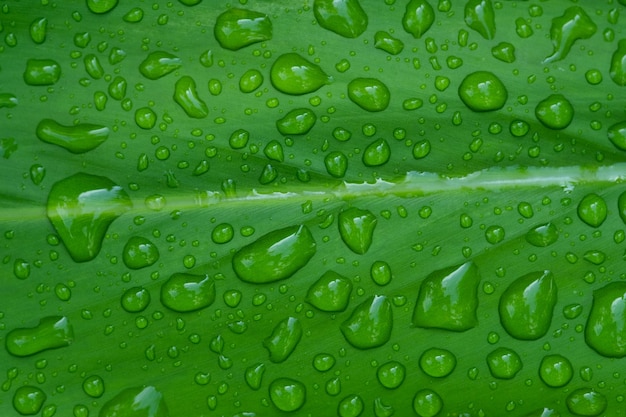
x: 370, y: 94
x: 186, y: 96
x: 437, y: 362
x: 592, y: 209
x: 145, y: 118
x: 574, y: 24
x: 28, y: 400
x: 184, y: 292
x: 418, y: 17
x: 586, y: 402
x: 356, y: 227
x: 391, y: 374
x: 480, y: 16
x: 136, y: 401
x: 287, y: 394
x: 158, y: 64
x: 41, y: 72
x: 427, y: 403
x: 448, y: 299
x: 370, y: 323
x: 139, y: 252
x: 293, y: 74
x: 605, y: 331
x: 81, y: 208
x: 275, y: 256
x: 52, y: 332
x: 237, y: 28
x: 555, y: 112
x: 284, y: 338
x: 483, y: 91
x: 556, y: 370
x: 343, y: 17
x: 504, y: 363
x: 296, y: 122
x: 331, y: 292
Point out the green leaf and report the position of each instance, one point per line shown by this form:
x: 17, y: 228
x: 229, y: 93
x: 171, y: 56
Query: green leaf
x: 266, y: 210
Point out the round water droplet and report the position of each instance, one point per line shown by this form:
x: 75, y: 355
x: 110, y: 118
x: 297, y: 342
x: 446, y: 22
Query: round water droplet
x: 555, y: 112
x: 287, y: 394
x: 377, y: 153
x: 380, y: 272
x: 331, y: 292
x: 494, y: 234
x: 136, y: 402
x: 480, y: 16
x: 145, y: 118
x: 250, y: 81
x: 52, y: 332
x: 134, y: 15
x: 391, y: 374
x: 297, y: 122
x: 323, y: 362
x: 222, y: 233
x: 370, y: 323
x: 381, y: 409
x: 343, y: 17
x: 427, y: 403
x: 504, y: 363
x: 139, y: 252
x: 543, y: 235
x: 483, y: 91
x: 586, y: 402
x: 336, y: 164
x: 63, y: 292
x: 370, y: 94
x: 385, y: 42
x: 556, y: 370
x: 135, y: 299
x: 101, y: 6
x: 617, y: 135
x: 418, y: 17
x: 356, y: 227
x: 437, y: 363
x: 293, y: 74
x: 592, y: 210
x: 237, y: 28
x: 605, y: 331
x: 351, y: 406
x: 284, y: 338
x: 93, y: 386
x: 186, y: 292
x: 28, y: 400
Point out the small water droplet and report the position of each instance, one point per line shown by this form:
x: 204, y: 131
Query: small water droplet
x: 494, y: 234
x: 504, y: 363
x: 297, y: 122
x: 504, y: 51
x: 556, y: 370
x: 323, y: 362
x: 376, y: 153
x: 356, y: 227
x: 287, y: 394
x: 427, y: 403
x: 38, y: 29
x: 139, y: 252
x: 336, y: 164
x: 135, y: 299
x: 380, y: 272
x: 101, y: 6
x: 158, y: 64
x: 483, y: 91
x: 385, y: 42
x: 586, y: 402
x: 254, y: 375
x: 93, y: 386
x: 250, y: 81
x: 343, y: 17
x: 351, y: 406
x: 437, y: 362
x: 391, y: 374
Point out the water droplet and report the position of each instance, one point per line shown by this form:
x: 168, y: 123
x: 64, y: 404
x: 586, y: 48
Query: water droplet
x: 135, y: 299
x: 480, y: 16
x: 284, y: 338
x: 336, y: 164
x: 351, y: 406
x: 293, y: 74
x: 287, y: 394
x: 370, y: 94
x: 448, y: 299
x: 385, y: 42
x: 617, y: 135
x: 187, y: 292
x: 158, y: 64
x: 380, y: 272
x: 254, y: 375
x: 427, y: 403
x: 63, y: 292
x: 237, y: 28
x: 275, y: 256
x: 40, y: 72
x: 618, y: 64
x: 504, y: 363
x: 52, y: 332
x: 139, y: 252
x: 297, y: 122
x: 356, y: 227
x: 93, y: 66
x: 81, y: 208
x: 544, y: 412
x: 186, y: 96
x: 418, y: 17
x: 38, y: 29
x: 8, y: 100
x: 437, y: 362
x: 28, y: 400
x: 421, y: 149
x: 377, y: 153
x: 494, y: 234
x: 250, y: 81
x: 134, y: 15
x: 331, y: 292
x: 504, y: 51
x: 101, y: 6
x: 543, y: 235
x: 93, y: 386
x: 592, y: 210
x: 391, y: 374
x: 526, y: 306
x: 370, y: 323
x: 605, y: 331
x: 574, y: 24
x: 239, y: 139
x: 323, y: 362
x: 556, y: 370
x: 586, y: 402
x: 343, y: 17
x: 117, y: 88
x: 136, y: 402
x: 76, y: 138
x: 274, y: 151
x: 222, y: 233
x: 483, y: 91
x: 145, y: 118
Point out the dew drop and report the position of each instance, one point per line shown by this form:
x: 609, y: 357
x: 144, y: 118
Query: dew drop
x: 52, y: 332
x: 370, y: 94
x: 323, y: 362
x: 336, y: 164
x: 556, y: 370
x: 135, y: 299
x: 101, y: 6
x: 437, y: 362
x: 480, y: 16
x: 504, y: 51
x: 136, y: 402
x: 380, y: 271
x: 284, y: 338
x: 385, y: 42
x: 287, y: 394
x: 296, y: 122
x: 586, y: 402
x: 184, y: 292
x: 186, y: 96
x: 592, y: 210
x: 38, y: 29
x: 370, y: 323
x: 28, y: 400
x: 250, y: 81
x: 574, y: 24
x: 555, y: 112
x: 293, y: 74
x: 139, y: 252
x: 237, y: 28
x: 222, y: 233
x: 427, y: 403
x: 343, y: 17
x: 618, y: 64
x: 41, y: 72
x: 617, y: 135
x: 494, y: 234
x: 77, y: 139
x: 605, y: 331
x: 158, y: 64
x: 356, y: 227
x: 418, y: 17
x: 543, y: 235
x: 483, y: 91
x: 504, y: 363
x: 254, y: 375
x: 351, y: 406
x: 331, y: 292
x: 93, y: 386
x: 145, y: 118
x: 391, y: 374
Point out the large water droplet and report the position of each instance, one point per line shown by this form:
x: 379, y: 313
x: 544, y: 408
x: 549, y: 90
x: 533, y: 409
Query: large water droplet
x: 555, y: 112
x: 556, y: 370
x: 40, y: 72
x: 418, y: 17
x: 543, y: 235
x: 391, y: 374
x: 370, y: 94
x: 287, y: 394
x: 480, y: 16
x: 254, y: 375
x: 483, y: 91
x: 81, y: 208
x: 605, y: 331
x: 28, y: 400
x: 586, y: 402
x: 293, y: 74
x: 344, y: 17
x: 356, y: 227
x: 158, y: 64
x: 52, y: 332
x: 236, y: 28
x: 284, y: 338
x: 297, y: 122
x: 592, y: 210
x: 186, y: 96
x: 574, y: 24
x: 427, y: 403
x: 187, y: 292
x: 331, y: 292
x: 617, y: 135
x: 437, y: 362
x: 370, y: 323
x: 448, y: 299
x: 76, y: 138
x: 136, y: 402
x: 385, y: 42
x: 139, y: 252
x: 504, y: 363
x: 275, y: 256
x: 618, y: 64
x: 526, y: 306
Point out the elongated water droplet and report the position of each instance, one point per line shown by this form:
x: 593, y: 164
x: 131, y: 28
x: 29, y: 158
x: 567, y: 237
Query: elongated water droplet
x: 186, y: 96
x: 504, y: 363
x: 293, y: 74
x: 605, y: 331
x: 370, y: 94
x: 237, y: 28
x: 543, y: 235
x: 275, y: 256
x: 370, y: 323
x: 297, y: 122
x: 117, y: 88
x: 556, y: 370
x: 526, y: 306
x: 40, y: 72
x: 287, y: 394
x: 158, y: 64
x: 344, y: 17
x: 331, y: 292
x: 76, y: 139
x: 38, y: 29
x: 586, y: 402
x: 617, y: 135
x: 480, y: 16
x: 618, y: 64
x: 592, y: 210
x: 385, y: 42
x: 356, y: 227
x: 52, y: 332
x: 93, y: 66
x: 504, y: 51
x: 418, y: 17
x: 188, y: 292
x: 437, y: 362
x: 483, y: 91
x: 28, y: 400
x: 136, y: 402
x: 391, y: 374
x: 574, y: 24
x: 448, y: 299
x: 134, y: 15
x: 284, y: 339
x: 93, y: 386
x: 427, y: 403
x: 8, y: 100
x: 135, y: 299
x: 254, y: 375
x: 380, y: 272
x: 81, y: 208
x: 555, y: 112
